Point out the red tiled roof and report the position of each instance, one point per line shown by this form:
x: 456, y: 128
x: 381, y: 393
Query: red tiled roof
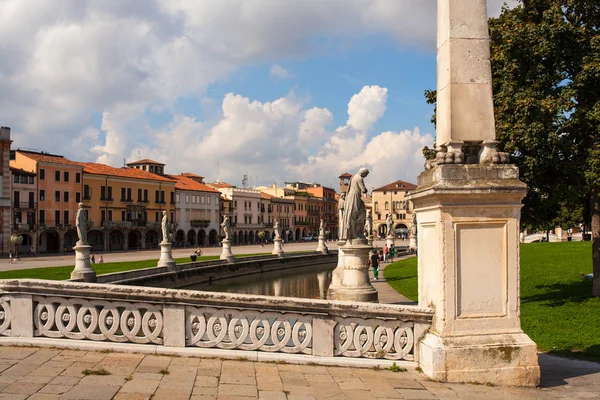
x: 397, y: 185
x: 345, y: 175
x: 191, y: 175
x: 265, y: 196
x: 145, y: 161
x: 185, y: 183
x: 134, y: 173
x: 48, y: 158
x: 220, y: 185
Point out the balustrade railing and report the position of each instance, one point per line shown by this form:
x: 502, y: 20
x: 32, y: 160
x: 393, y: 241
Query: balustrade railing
x: 180, y: 318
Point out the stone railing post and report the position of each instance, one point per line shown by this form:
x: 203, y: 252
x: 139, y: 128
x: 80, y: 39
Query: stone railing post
x: 174, y: 326
x: 322, y: 344
x: 21, y: 307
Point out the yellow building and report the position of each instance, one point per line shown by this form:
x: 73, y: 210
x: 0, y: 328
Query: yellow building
x: 125, y: 204
x: 391, y: 198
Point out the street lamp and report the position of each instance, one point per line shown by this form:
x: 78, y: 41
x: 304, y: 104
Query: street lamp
x: 17, y: 240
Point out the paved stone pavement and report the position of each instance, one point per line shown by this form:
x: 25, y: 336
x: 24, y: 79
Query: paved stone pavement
x: 45, y: 373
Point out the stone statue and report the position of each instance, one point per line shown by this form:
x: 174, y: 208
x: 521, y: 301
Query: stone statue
x: 354, y: 207
x: 165, y: 227
x: 390, y: 225
x: 341, y: 215
x: 81, y: 224
x: 322, y: 229
x: 369, y: 224
x: 276, y: 229
x: 226, y: 227
x: 413, y: 227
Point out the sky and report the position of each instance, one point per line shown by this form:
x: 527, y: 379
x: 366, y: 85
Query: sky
x: 281, y: 90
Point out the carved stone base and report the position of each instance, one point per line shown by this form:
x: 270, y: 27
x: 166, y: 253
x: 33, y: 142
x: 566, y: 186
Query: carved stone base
x: 389, y: 241
x: 322, y: 247
x: 477, y: 152
x: 356, y: 285
x: 506, y: 359
x: 226, y: 254
x: 338, y: 273
x: 166, y: 257
x: 83, y: 269
x: 412, y: 242
x: 277, y: 249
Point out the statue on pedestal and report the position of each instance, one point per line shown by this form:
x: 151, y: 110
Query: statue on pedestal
x: 81, y: 224
x: 226, y: 227
x: 390, y: 225
x: 354, y: 207
x: 413, y: 227
x: 276, y: 229
x: 341, y: 215
x: 322, y: 229
x: 165, y: 227
x: 368, y: 224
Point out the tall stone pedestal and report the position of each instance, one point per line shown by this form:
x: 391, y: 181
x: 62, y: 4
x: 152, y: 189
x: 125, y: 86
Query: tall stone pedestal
x: 356, y: 285
x: 83, y: 269
x: 166, y: 258
x: 226, y: 254
x: 468, y: 235
x: 322, y: 247
x: 412, y: 242
x: 338, y: 273
x: 277, y: 249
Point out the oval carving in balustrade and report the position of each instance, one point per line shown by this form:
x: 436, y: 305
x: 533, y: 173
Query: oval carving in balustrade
x: 100, y: 320
x: 248, y: 330
x: 5, y: 315
x: 355, y: 337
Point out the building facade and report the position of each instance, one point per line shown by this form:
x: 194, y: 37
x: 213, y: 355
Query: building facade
x: 197, y: 211
x: 391, y: 198
x: 5, y: 206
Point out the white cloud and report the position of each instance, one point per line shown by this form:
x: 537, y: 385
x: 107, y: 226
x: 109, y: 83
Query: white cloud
x: 81, y: 76
x: 278, y: 72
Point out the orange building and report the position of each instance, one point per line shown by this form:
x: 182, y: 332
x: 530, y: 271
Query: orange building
x: 125, y: 205
x: 59, y: 190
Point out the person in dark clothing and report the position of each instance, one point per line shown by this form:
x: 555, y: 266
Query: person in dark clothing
x: 374, y: 263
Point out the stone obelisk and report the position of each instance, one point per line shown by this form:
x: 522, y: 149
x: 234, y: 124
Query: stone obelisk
x: 468, y: 225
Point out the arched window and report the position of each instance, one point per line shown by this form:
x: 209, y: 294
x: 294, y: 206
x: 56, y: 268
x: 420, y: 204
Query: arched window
x: 387, y: 205
x: 376, y: 206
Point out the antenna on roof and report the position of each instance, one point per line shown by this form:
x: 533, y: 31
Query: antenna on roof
x: 217, y: 169
x: 139, y: 157
x: 124, y: 162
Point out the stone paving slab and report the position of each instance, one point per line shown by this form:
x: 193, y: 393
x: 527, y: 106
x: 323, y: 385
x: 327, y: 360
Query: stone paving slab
x: 44, y: 374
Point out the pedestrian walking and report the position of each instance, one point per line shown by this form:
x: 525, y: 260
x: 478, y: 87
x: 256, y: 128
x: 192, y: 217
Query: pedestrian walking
x: 391, y: 254
x: 385, y: 252
x: 374, y: 263
x: 100, y: 260
x: 11, y: 258
x: 93, y: 259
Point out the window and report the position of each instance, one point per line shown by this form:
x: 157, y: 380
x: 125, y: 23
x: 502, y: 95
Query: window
x: 42, y: 174
x: 102, y: 216
x: 16, y: 178
x: 123, y: 194
x: 110, y: 195
x: 23, y: 179
x: 78, y: 197
x: 66, y: 197
x: 103, y: 193
x: 77, y: 177
x: 172, y: 197
x: 162, y: 196
x: 57, y: 217
x: 57, y: 195
x: 208, y: 199
x: 128, y: 194
x: 86, y: 192
x: 156, y: 194
x: 201, y: 199
x: 31, y: 180
x: 123, y: 215
x: 177, y: 197
x: 384, y: 192
x: 193, y: 199
x: 57, y: 176
x: 42, y: 195
x: 187, y: 199
x: 156, y: 217
x: 66, y: 176
x: 110, y: 215
x: 145, y: 195
x: 66, y: 217
x: 139, y: 195
x: 42, y: 217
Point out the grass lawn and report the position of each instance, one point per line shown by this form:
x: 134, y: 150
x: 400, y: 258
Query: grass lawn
x: 557, y: 309
x: 62, y: 273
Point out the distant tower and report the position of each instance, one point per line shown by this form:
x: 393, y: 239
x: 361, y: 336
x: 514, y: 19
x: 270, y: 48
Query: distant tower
x: 245, y: 181
x: 344, y: 182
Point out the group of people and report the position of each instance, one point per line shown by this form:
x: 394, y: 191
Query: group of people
x: 100, y: 259
x: 382, y: 255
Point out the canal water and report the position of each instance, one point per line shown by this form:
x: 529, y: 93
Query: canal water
x: 304, y: 282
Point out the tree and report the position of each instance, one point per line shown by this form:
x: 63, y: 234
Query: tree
x: 546, y: 81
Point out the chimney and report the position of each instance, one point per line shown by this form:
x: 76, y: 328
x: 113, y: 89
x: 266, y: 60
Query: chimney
x: 4, y: 133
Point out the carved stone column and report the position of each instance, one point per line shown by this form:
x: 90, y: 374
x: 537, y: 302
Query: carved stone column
x: 322, y: 247
x: 338, y: 272
x: 166, y: 257
x: 356, y: 285
x: 83, y: 269
x: 277, y: 249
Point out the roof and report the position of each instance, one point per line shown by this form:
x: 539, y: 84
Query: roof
x: 191, y: 175
x: 220, y: 185
x: 133, y: 173
x: 265, y: 196
x: 399, y: 184
x: 345, y: 175
x: 48, y: 158
x: 21, y: 171
x: 186, y: 183
x: 145, y: 161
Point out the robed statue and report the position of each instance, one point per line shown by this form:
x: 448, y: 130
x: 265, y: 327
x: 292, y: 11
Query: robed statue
x: 355, y: 212
x: 322, y: 229
x: 413, y: 227
x: 226, y: 227
x: 369, y: 224
x: 390, y: 225
x: 341, y: 201
x: 81, y: 224
x: 165, y: 227
x: 276, y: 229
